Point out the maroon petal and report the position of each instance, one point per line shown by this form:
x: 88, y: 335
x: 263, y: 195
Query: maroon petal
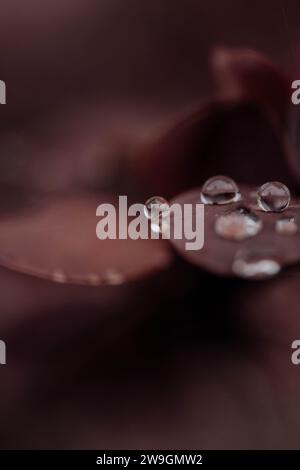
x: 235, y: 139
x: 245, y: 74
x: 58, y: 241
x: 218, y: 254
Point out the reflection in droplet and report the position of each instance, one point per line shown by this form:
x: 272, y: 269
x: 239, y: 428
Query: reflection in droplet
x: 238, y: 224
x: 273, y: 197
x: 258, y: 263
x: 156, y: 207
x: 220, y: 190
x: 286, y: 226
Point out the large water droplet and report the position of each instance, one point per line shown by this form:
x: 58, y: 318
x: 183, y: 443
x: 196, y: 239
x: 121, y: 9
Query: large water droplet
x: 256, y: 263
x: 156, y: 207
x: 273, y: 197
x: 238, y: 224
x: 220, y: 190
x: 286, y: 226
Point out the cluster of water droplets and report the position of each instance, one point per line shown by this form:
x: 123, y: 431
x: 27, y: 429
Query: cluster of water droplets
x: 237, y: 224
x: 241, y: 223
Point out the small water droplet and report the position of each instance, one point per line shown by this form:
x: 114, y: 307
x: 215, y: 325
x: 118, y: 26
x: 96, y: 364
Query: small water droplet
x: 220, y: 190
x: 256, y: 263
x: 113, y: 277
x: 59, y: 276
x: 94, y: 279
x: 156, y: 207
x: 238, y: 224
x: 286, y: 226
x: 273, y: 197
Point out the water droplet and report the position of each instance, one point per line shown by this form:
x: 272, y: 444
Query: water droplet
x: 286, y: 226
x: 256, y: 263
x: 273, y: 197
x: 220, y: 190
x: 59, y: 276
x: 238, y: 224
x: 156, y: 207
x: 113, y: 277
x: 94, y: 279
